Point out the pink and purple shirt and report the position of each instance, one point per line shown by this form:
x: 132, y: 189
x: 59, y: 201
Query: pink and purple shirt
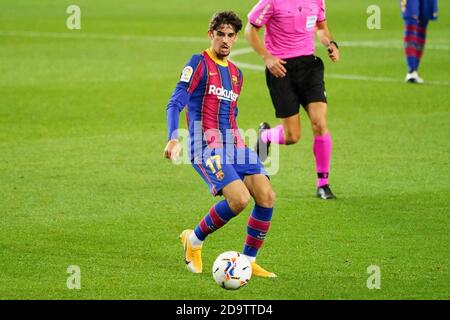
x: 290, y: 25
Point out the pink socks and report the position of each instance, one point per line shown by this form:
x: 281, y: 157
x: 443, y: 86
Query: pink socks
x: 274, y: 135
x: 321, y: 149
x: 322, y: 154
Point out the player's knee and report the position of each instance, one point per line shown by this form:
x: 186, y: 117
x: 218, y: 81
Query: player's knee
x: 320, y: 127
x: 270, y: 198
x: 292, y: 138
x: 266, y: 198
x: 273, y: 197
x: 240, y: 202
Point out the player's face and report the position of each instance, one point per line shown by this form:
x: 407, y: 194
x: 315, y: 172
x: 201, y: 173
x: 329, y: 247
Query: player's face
x: 222, y: 40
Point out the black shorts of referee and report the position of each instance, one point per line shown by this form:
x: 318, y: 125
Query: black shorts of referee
x: 302, y: 85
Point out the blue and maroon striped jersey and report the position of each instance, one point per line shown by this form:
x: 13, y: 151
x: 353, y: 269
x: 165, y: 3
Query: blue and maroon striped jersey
x: 209, y: 89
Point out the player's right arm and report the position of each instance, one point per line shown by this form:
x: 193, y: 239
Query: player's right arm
x: 257, y: 18
x: 190, y: 77
x: 172, y: 149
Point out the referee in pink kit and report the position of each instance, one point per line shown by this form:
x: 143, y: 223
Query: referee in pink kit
x: 294, y: 75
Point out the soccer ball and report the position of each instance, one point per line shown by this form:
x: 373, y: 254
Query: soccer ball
x: 232, y: 270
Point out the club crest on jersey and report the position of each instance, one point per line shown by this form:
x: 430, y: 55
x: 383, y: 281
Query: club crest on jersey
x: 186, y: 74
x: 222, y: 93
x: 234, y: 79
x: 220, y: 175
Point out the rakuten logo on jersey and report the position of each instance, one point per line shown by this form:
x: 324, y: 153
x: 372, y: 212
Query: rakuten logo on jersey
x: 223, y: 93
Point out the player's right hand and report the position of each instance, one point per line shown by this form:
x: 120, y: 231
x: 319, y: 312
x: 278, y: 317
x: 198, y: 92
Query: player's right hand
x: 172, y: 149
x: 275, y: 66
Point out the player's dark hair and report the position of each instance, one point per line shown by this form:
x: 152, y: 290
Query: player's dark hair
x: 225, y: 17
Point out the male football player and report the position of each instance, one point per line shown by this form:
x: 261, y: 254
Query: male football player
x: 416, y: 15
x: 210, y: 86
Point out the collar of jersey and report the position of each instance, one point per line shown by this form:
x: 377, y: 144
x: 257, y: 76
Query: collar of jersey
x: 220, y: 63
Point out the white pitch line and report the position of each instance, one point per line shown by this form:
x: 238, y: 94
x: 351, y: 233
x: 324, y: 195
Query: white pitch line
x: 255, y: 67
x: 380, y: 79
x: 389, y: 44
x: 441, y: 44
x: 347, y: 76
x: 100, y: 36
x: 394, y: 44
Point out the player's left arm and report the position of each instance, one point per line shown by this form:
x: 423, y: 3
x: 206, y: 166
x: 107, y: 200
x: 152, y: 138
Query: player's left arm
x: 325, y: 37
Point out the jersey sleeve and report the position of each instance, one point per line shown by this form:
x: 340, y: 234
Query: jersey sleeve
x: 261, y: 13
x: 189, y: 80
x: 321, y: 16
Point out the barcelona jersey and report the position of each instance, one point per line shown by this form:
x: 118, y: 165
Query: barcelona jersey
x: 210, y: 89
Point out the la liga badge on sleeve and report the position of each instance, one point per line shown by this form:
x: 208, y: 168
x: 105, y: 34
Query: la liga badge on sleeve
x: 186, y: 74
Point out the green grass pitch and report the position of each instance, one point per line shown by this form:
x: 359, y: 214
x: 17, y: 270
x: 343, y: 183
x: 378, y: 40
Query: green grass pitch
x: 83, y: 180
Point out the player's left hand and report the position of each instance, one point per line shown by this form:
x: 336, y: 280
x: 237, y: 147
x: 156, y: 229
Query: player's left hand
x: 333, y: 52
